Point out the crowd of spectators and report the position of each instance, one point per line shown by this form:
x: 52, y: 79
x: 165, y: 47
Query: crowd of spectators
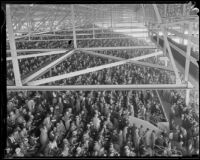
x: 69, y: 123
x: 31, y: 64
x: 81, y: 124
x: 184, y: 121
x: 116, y: 75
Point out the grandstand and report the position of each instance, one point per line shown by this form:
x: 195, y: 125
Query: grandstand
x: 102, y: 80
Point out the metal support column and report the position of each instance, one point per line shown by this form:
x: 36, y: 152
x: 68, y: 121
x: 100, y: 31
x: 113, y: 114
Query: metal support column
x: 103, y: 22
x: 171, y: 56
x: 165, y: 49
x: 165, y: 12
x: 187, y: 63
x: 144, y: 16
x: 100, y: 87
x: 28, y: 21
x: 13, y: 47
x: 165, y: 15
x: 184, y: 10
x: 50, y: 72
x: 187, y: 98
x: 157, y: 41
x: 178, y: 80
x: 111, y: 17
x: 73, y: 23
x: 182, y: 30
x: 93, y: 23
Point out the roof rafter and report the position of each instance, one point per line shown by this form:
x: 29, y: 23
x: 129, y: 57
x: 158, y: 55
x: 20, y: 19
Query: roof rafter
x: 102, y: 87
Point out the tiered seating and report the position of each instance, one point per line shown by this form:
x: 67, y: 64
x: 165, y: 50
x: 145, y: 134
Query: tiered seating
x: 31, y: 65
x: 80, y: 123
x: 184, y: 120
x: 69, y: 123
x: 180, y: 58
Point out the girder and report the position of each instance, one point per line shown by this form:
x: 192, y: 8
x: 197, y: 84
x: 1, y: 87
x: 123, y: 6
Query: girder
x: 119, y: 48
x: 38, y: 54
x: 44, y: 40
x: 88, y: 70
x: 36, y: 50
x: 178, y: 80
x: 192, y: 59
x: 133, y: 62
x: 101, y: 87
x: 13, y: 47
x: 39, y: 11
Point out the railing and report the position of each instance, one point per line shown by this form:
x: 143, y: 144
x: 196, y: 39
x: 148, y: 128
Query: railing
x: 179, y: 57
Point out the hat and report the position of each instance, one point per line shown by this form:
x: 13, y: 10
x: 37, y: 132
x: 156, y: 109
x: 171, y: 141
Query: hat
x: 74, y: 133
x: 57, y: 107
x: 17, y: 150
x: 26, y: 139
x: 78, y: 149
x: 65, y: 141
x: 126, y: 147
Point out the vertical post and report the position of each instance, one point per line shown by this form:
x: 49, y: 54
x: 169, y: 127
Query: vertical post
x: 187, y: 99
x: 187, y: 63
x: 73, y: 23
x: 149, y: 31
x: 166, y: 62
x: 184, y: 10
x: 13, y: 47
x: 165, y: 12
x: 178, y: 80
x: 103, y: 22
x: 132, y: 24
x: 115, y: 15
x: 144, y: 16
x: 182, y: 31
x: 158, y: 41
x: 53, y: 20
x: 165, y: 50
x: 111, y: 17
x: 28, y: 21
x: 93, y: 22
x: 50, y: 72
